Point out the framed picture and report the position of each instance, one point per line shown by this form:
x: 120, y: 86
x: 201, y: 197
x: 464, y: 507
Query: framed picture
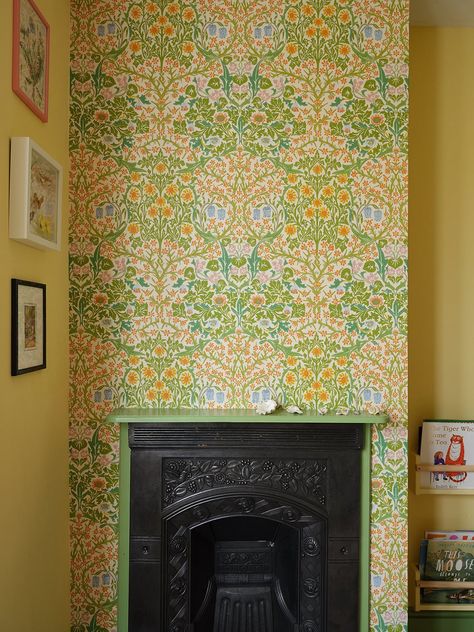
x: 30, y: 71
x: 28, y: 326
x: 35, y: 195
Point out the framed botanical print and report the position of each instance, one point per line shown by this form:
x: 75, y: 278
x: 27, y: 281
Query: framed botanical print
x: 35, y: 195
x: 28, y: 346
x: 30, y: 72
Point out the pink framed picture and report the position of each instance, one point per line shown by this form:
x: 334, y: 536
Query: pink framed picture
x: 31, y: 56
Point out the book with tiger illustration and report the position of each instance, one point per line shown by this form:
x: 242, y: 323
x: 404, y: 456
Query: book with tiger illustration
x: 447, y: 442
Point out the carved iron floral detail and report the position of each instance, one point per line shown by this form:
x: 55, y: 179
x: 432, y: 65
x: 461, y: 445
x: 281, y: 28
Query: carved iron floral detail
x: 244, y: 562
x: 311, y: 587
x: 311, y: 546
x: 302, y: 478
x: 178, y: 544
x: 309, y: 626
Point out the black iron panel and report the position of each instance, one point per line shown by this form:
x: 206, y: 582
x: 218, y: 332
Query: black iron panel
x: 261, y: 436
x: 304, y: 477
x: 184, y: 477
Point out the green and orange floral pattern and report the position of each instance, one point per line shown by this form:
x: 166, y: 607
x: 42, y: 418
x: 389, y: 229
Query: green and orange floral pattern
x: 238, y: 232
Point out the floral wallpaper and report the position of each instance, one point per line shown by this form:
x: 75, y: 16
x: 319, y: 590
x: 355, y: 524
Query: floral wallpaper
x: 238, y: 232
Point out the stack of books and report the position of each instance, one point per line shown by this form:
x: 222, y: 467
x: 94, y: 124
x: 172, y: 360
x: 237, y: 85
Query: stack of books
x: 447, y: 556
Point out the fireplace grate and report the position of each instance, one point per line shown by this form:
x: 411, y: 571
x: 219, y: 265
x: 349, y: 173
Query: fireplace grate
x: 243, y: 609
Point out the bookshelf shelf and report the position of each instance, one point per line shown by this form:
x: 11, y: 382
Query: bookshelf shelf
x: 455, y: 607
x: 427, y: 467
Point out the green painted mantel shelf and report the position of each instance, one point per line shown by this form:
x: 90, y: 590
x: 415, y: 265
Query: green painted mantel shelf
x: 193, y: 415
x: 125, y: 416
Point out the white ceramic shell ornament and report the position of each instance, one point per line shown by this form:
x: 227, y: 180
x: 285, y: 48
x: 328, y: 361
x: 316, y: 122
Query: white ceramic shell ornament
x: 266, y: 408
x: 294, y: 410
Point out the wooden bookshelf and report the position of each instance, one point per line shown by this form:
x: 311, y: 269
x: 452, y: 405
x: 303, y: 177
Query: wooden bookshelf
x: 421, y: 583
x: 428, y: 467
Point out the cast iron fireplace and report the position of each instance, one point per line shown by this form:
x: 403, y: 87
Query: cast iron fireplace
x: 244, y: 527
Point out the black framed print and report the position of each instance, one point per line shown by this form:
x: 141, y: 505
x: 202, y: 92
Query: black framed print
x: 28, y: 326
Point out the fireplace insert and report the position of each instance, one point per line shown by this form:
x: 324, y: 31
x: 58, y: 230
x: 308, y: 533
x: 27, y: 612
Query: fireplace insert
x: 244, y: 527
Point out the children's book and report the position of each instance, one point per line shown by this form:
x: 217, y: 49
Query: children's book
x: 449, y: 535
x: 447, y: 442
x: 454, y: 596
x: 447, y: 560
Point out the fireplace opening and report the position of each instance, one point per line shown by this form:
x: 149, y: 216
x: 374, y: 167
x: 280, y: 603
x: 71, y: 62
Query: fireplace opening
x: 244, y: 576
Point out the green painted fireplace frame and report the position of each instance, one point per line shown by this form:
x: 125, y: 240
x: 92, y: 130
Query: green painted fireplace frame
x: 125, y: 416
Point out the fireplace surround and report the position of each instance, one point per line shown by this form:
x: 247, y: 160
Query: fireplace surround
x: 229, y: 521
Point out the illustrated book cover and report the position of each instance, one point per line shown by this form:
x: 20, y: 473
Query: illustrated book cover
x: 447, y: 442
x: 447, y: 560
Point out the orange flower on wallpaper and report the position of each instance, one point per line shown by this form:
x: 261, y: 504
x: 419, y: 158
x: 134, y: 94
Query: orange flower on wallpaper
x: 132, y: 377
x: 186, y: 378
x: 166, y: 395
x: 136, y: 12
x: 186, y: 229
x: 290, y: 378
x: 188, y: 14
x: 172, y: 8
x: 187, y: 195
x: 133, y: 229
x: 343, y: 379
x: 170, y: 373
x: 344, y: 50
x: 324, y: 212
x: 135, y: 47
x: 329, y: 10
x: 327, y: 373
x: 323, y: 395
x: 188, y: 48
x: 151, y: 7
x: 344, y: 17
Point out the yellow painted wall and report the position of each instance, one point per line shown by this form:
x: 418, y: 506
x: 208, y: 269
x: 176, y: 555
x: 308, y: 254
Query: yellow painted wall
x: 441, y: 294
x: 34, y: 564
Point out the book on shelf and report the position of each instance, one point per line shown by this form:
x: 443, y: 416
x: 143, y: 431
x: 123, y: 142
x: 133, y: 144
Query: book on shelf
x: 447, y: 442
x: 442, y: 595
x: 449, y: 535
x: 447, y: 560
